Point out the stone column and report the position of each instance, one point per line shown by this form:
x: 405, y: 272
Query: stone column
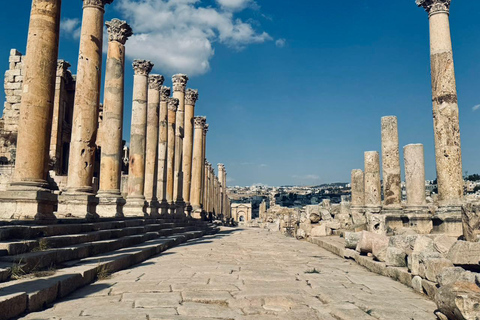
x: 205, y: 187
x: 172, y: 111
x: 136, y: 204
x: 154, y: 88
x: 392, y: 189
x: 221, y: 175
x: 79, y: 199
x: 204, y: 156
x: 191, y: 97
x: 373, y: 198
x: 179, y: 86
x: 110, y: 200
x: 162, y: 151
x: 28, y: 195
x: 198, y: 163
x: 445, y: 107
x: 415, y: 176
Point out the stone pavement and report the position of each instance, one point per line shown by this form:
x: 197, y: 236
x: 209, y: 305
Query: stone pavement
x: 244, y: 274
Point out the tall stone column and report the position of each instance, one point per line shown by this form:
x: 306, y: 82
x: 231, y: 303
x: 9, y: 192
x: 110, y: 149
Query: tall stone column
x: 357, y: 206
x: 373, y: 197
x: 162, y: 151
x: 204, y: 152
x: 448, y: 152
x: 191, y: 97
x: 179, y: 86
x: 198, y: 163
x: 110, y: 200
x: 205, y: 187
x: 221, y: 191
x: 172, y: 118
x: 136, y: 204
x: 392, y: 189
x: 154, y: 88
x: 79, y: 199
x: 28, y: 195
x: 415, y: 176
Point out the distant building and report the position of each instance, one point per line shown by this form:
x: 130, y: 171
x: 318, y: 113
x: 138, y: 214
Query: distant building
x: 242, y: 212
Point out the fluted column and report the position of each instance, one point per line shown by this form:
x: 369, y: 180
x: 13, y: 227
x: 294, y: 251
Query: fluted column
x: 35, y: 122
x: 415, y: 176
x: 191, y: 97
x: 154, y: 87
x: 198, y: 163
x: 179, y: 86
x: 110, y: 200
x: 162, y: 151
x: 172, y: 116
x: 392, y: 189
x: 136, y: 204
x: 373, y: 197
x: 448, y: 152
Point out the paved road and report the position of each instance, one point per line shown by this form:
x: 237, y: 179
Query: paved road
x: 244, y: 274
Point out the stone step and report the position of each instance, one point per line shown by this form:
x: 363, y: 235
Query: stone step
x: 29, y: 295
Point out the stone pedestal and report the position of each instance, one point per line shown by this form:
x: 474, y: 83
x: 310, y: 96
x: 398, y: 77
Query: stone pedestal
x: 136, y: 204
x: 28, y: 196
x: 163, y: 152
x: 110, y: 200
x: 78, y: 205
x: 392, y: 190
x: 448, y: 153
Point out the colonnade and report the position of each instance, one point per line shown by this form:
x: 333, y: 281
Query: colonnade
x: 168, y: 174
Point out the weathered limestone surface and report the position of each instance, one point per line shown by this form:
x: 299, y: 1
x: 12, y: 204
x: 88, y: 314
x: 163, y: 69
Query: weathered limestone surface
x: 471, y: 221
x: 198, y: 164
x: 136, y: 174
x: 373, y: 197
x: 172, y: 111
x: 154, y: 87
x: 204, y: 180
x: 191, y: 97
x: 162, y: 150
x: 212, y: 281
x: 392, y: 191
x: 448, y: 152
x: 415, y: 176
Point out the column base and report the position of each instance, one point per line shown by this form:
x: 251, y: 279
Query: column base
x: 153, y: 208
x: 180, y: 210
x: 135, y: 207
x: 25, y: 204
x: 376, y: 223
x: 448, y: 220
x: 188, y: 210
x: 110, y: 205
x: 82, y: 205
x: 197, y: 213
x: 358, y: 215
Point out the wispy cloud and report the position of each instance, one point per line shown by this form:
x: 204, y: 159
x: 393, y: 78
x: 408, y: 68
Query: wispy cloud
x: 179, y: 36
x: 306, y: 177
x: 70, y: 28
x: 280, y: 43
x: 230, y: 179
x: 475, y: 108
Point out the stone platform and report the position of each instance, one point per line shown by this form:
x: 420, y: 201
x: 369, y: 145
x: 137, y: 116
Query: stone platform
x: 244, y: 274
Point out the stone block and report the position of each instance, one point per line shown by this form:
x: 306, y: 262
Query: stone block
x: 333, y: 224
x: 454, y: 274
x: 365, y: 243
x: 459, y: 300
x: 12, y: 305
x: 15, y: 58
x: 325, y: 214
x: 431, y: 267
x: 465, y: 253
x: 379, y: 249
x: 443, y: 244
x: 395, y: 257
x: 15, y: 52
x: 471, y: 221
x: 376, y: 223
x: 12, y: 86
x: 417, y: 284
x: 351, y: 239
x: 319, y: 231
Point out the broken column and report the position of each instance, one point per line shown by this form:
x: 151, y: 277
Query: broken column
x: 179, y: 86
x: 162, y: 151
x: 111, y: 201
x: 373, y: 196
x: 79, y: 199
x: 172, y: 115
x: 28, y: 196
x: 392, y: 190
x: 448, y: 153
x: 136, y: 204
x: 415, y: 176
x: 155, y: 83
x: 357, y: 207
x: 191, y: 97
x: 198, y: 163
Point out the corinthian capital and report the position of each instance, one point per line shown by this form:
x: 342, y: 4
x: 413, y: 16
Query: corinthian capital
x: 96, y: 3
x: 434, y: 6
x: 155, y: 81
x: 172, y: 104
x: 205, y: 129
x: 62, y: 67
x: 221, y: 167
x: 199, y: 122
x: 191, y: 97
x: 165, y: 93
x: 142, y: 67
x: 118, y: 30
x: 179, y: 82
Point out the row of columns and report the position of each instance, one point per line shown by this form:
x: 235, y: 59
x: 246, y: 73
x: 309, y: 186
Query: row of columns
x: 166, y: 166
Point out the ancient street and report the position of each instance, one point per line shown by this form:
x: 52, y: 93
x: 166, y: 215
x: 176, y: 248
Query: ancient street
x: 244, y: 274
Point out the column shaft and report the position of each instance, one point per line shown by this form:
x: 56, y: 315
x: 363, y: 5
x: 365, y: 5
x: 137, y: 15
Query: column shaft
x: 191, y: 97
x: 415, y: 175
x: 198, y: 163
x: 392, y: 190
x: 358, y: 188
x: 172, y: 118
x: 373, y: 197
x: 163, y: 150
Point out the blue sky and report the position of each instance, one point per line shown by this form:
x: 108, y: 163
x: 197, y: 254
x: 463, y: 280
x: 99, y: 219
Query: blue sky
x: 293, y: 90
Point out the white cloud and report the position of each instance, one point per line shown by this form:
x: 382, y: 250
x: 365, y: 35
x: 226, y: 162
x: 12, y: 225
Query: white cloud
x: 475, y: 108
x: 280, y: 43
x: 178, y: 36
x: 70, y: 27
x: 229, y: 179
